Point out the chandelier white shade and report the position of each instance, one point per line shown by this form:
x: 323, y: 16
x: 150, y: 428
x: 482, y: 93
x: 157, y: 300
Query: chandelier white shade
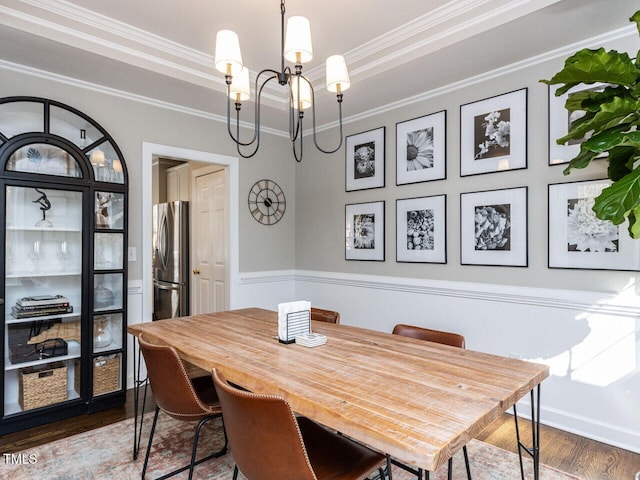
x: 296, y: 47
x: 337, y: 74
x: 228, y: 56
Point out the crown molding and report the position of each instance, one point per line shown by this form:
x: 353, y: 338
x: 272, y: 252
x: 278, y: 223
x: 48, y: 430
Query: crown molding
x: 561, y: 52
x: 69, y: 23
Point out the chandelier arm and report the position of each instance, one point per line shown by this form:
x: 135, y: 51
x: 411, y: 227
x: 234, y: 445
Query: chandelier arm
x: 256, y: 124
x: 256, y: 135
x: 313, y: 112
x: 293, y: 144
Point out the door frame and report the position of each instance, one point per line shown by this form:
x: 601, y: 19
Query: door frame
x: 232, y: 178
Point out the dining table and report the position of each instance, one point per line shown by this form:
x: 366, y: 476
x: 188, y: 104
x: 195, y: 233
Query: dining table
x: 418, y: 401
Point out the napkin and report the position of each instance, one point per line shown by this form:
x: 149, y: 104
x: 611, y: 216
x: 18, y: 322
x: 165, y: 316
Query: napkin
x: 294, y: 318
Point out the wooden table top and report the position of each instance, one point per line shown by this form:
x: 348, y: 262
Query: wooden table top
x: 416, y: 400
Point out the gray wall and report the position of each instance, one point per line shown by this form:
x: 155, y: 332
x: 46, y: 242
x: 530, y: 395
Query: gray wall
x: 321, y: 196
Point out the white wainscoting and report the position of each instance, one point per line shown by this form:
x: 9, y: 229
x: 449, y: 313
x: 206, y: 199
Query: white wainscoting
x: 590, y: 340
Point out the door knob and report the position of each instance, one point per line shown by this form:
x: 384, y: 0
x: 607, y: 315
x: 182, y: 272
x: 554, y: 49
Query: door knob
x: 196, y: 272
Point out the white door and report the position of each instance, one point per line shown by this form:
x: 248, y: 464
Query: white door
x: 210, y: 249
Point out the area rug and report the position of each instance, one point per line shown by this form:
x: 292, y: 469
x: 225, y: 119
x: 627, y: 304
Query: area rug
x: 106, y: 454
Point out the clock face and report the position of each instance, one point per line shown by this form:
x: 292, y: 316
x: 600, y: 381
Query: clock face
x: 266, y: 202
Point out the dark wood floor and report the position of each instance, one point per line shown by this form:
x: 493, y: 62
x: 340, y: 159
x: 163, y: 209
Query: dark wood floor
x: 584, y: 458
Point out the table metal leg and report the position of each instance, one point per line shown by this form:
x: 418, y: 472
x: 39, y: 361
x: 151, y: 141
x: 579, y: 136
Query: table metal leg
x: 137, y: 384
x: 534, y: 449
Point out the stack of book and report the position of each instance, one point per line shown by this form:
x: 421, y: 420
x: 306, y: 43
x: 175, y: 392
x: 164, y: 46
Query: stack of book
x: 40, y: 306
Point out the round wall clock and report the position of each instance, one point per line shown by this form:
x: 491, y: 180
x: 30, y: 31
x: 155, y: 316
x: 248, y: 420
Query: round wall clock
x: 266, y: 202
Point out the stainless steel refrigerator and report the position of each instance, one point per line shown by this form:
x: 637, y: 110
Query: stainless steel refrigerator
x: 170, y: 260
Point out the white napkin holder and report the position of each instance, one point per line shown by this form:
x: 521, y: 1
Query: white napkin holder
x: 294, y: 319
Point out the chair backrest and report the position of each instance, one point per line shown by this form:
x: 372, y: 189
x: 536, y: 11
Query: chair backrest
x: 172, y: 388
x: 322, y: 315
x: 263, y: 434
x: 437, y: 336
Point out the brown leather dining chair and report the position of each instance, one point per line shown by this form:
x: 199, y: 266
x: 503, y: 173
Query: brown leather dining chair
x: 180, y: 397
x: 444, y: 338
x: 322, y: 315
x: 268, y: 441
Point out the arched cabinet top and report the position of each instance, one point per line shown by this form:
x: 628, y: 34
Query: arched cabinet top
x: 39, y: 136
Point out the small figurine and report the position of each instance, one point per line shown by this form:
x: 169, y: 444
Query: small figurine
x: 45, y: 205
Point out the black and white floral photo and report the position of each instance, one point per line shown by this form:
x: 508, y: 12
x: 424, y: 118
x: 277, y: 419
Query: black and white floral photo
x: 578, y: 239
x: 364, y: 161
x: 420, y: 229
x: 493, y: 227
x: 420, y: 149
x: 364, y: 231
x: 493, y: 134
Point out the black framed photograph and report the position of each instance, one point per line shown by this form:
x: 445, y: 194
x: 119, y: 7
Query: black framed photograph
x: 421, y: 149
x: 493, y: 134
x: 493, y: 227
x: 578, y: 239
x: 560, y: 120
x: 365, y: 160
x: 421, y: 235
x: 364, y: 227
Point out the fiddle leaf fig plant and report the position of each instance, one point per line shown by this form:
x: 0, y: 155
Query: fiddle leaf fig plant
x: 612, y: 118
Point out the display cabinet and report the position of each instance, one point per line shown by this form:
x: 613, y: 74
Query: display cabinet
x: 64, y: 210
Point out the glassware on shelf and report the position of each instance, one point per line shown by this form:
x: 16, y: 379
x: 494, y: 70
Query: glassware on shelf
x: 101, y: 331
x: 64, y: 253
x: 35, y: 255
x: 102, y: 296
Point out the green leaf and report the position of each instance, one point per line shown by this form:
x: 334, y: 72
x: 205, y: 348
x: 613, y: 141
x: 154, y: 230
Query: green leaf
x: 636, y: 18
x: 634, y: 223
x: 591, y: 66
x: 590, y: 100
x: 581, y: 160
x: 617, y: 201
x: 611, y: 114
x: 620, y: 162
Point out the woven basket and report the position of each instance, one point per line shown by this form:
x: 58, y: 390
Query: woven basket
x: 42, y: 385
x: 106, y: 374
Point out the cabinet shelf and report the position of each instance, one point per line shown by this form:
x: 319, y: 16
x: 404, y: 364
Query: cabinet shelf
x: 14, y: 408
x: 60, y: 273
x: 15, y: 228
x: 9, y: 320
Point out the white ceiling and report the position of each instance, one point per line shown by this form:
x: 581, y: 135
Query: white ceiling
x: 163, y: 49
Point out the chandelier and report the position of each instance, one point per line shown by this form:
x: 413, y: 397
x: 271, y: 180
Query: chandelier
x: 296, y: 48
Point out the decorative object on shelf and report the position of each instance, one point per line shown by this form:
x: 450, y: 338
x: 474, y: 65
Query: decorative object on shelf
x: 364, y: 154
x: 267, y: 202
x: 42, y: 385
x: 493, y: 134
x: 421, y: 229
x: 103, y: 202
x: 493, y: 227
x: 102, y: 297
x: 421, y: 149
x: 40, y: 306
x: 64, y: 253
x: 296, y: 48
x: 50, y: 348
x: 35, y: 255
x: 364, y: 229
x: 578, y: 239
x: 101, y: 331
x: 612, y: 121
x: 69, y: 331
x: 45, y: 205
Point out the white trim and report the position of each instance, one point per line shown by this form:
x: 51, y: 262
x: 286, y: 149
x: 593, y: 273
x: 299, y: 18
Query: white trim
x: 603, y: 303
x: 149, y: 150
x: 436, y: 92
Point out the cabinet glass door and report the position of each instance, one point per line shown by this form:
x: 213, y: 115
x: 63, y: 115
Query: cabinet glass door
x: 43, y: 299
